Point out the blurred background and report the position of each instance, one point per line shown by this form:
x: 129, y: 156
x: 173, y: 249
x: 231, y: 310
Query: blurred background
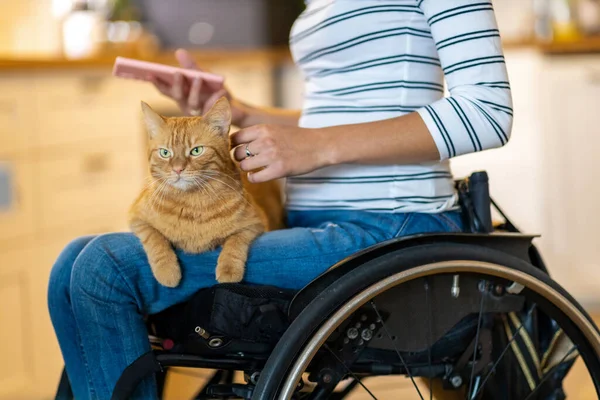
x: 72, y: 143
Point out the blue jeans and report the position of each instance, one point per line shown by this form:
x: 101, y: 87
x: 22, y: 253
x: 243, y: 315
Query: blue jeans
x: 101, y: 287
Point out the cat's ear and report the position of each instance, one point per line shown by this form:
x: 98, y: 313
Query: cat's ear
x: 219, y: 116
x: 155, y: 124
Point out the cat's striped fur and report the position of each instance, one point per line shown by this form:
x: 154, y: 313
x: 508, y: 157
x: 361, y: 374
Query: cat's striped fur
x: 205, y: 206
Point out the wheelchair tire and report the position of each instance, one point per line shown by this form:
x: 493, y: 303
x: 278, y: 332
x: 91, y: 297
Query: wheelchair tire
x: 290, y: 358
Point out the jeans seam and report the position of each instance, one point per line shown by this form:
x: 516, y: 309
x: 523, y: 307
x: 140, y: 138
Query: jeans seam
x: 451, y: 223
x: 88, y: 373
x: 113, y: 307
x: 408, y: 218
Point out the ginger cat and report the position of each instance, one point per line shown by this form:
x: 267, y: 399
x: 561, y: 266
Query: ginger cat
x: 196, y: 199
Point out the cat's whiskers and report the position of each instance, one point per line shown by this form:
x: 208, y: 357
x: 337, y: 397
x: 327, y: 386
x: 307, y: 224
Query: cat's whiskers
x: 236, y: 191
x: 208, y: 186
x: 153, y: 184
x: 150, y: 180
x: 220, y: 174
x: 156, y: 194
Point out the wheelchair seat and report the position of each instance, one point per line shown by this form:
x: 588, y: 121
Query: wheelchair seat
x: 476, y: 312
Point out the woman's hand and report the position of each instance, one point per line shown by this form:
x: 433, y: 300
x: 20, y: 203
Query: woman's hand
x: 197, y: 98
x: 278, y: 151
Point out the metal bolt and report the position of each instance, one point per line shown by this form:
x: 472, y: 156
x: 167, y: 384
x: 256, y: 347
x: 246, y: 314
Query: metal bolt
x: 499, y: 289
x: 254, y: 377
x: 327, y: 378
x: 346, y: 340
x: 358, y: 325
x: 215, y: 342
x: 352, y: 333
x: 201, y: 332
x: 363, y: 317
x: 482, y: 286
x: 366, y: 334
x: 456, y: 381
x: 372, y: 327
x: 360, y: 342
x: 455, y: 290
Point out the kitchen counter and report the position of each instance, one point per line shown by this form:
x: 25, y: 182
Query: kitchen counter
x: 268, y: 56
x: 272, y: 56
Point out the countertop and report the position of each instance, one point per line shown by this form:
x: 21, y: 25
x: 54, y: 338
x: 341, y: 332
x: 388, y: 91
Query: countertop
x: 266, y: 56
x: 272, y: 56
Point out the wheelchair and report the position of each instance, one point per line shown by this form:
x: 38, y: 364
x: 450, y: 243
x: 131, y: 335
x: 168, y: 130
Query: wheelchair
x: 472, y: 314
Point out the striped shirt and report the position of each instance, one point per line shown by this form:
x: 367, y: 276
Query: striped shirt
x: 368, y: 60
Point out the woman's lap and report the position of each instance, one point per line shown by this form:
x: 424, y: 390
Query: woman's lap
x: 288, y: 258
x: 103, y: 285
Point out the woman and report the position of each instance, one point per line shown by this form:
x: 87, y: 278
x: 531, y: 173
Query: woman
x: 367, y: 160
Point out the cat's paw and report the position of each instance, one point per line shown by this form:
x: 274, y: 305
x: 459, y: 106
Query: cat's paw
x: 167, y: 273
x: 229, y: 270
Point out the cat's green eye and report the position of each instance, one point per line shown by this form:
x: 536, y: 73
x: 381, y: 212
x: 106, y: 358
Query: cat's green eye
x: 164, y: 153
x: 196, y: 151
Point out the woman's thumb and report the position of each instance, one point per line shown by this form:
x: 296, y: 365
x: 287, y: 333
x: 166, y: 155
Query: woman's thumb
x: 185, y: 59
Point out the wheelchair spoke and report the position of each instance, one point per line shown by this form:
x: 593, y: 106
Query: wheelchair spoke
x: 429, y: 337
x: 549, y: 373
x: 356, y: 378
x: 479, y: 321
x: 396, y: 349
x: 491, y: 371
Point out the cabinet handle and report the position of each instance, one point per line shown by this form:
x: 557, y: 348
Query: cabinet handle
x: 593, y: 76
x: 91, y: 84
x: 96, y: 163
x: 8, y: 108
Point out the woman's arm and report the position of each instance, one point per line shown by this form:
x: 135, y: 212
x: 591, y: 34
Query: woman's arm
x: 476, y: 116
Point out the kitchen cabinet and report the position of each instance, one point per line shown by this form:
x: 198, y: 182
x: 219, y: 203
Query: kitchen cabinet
x: 570, y: 100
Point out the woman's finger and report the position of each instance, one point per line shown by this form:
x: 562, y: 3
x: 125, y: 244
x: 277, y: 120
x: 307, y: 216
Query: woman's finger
x: 194, y: 97
x: 268, y: 174
x: 212, y: 99
x: 185, y: 59
x: 253, y: 163
x: 245, y: 135
x: 239, y: 153
x: 177, y: 87
x: 162, y: 86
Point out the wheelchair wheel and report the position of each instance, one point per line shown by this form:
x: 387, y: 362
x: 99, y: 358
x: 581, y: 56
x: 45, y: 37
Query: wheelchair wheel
x: 328, y: 340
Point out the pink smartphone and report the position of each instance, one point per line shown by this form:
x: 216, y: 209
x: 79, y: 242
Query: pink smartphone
x: 136, y: 69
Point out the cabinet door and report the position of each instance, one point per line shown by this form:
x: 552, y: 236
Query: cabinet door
x: 17, y: 130
x: 17, y: 197
x: 16, y: 334
x: 571, y: 104
x: 86, y: 183
x: 81, y: 106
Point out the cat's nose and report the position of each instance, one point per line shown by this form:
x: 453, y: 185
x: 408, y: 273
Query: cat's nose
x: 178, y: 169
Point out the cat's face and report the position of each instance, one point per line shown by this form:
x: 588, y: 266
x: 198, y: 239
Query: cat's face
x: 188, y: 152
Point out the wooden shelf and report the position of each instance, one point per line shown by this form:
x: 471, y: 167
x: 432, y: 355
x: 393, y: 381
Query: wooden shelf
x: 267, y: 56
x: 205, y: 58
x: 587, y: 45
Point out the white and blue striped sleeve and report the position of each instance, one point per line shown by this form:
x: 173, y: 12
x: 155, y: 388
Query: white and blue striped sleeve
x: 478, y: 113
